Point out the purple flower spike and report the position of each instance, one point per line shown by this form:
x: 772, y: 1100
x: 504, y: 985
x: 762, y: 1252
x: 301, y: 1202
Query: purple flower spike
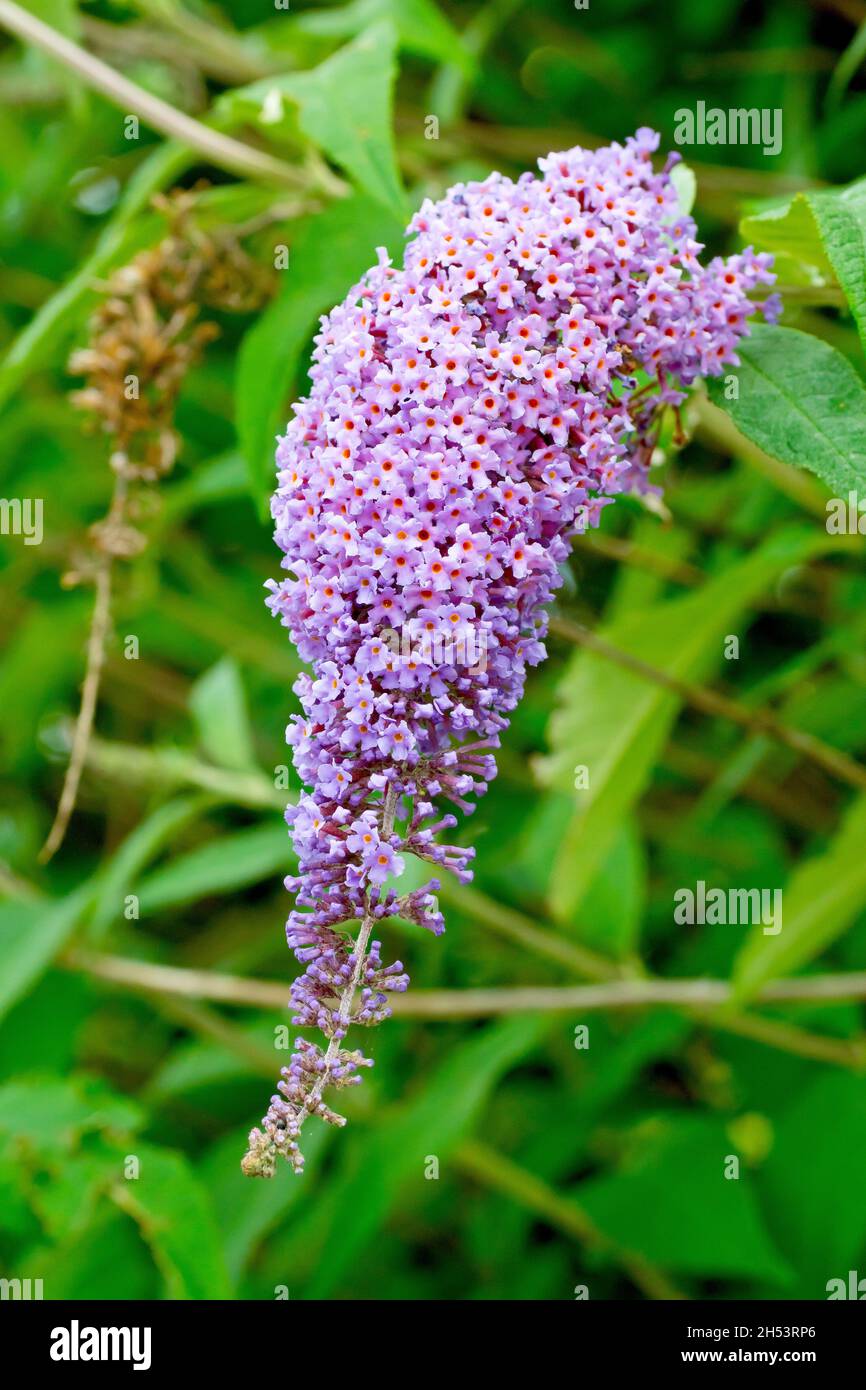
x: 468, y: 414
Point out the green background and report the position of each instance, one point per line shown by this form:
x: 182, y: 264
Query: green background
x: 558, y: 1166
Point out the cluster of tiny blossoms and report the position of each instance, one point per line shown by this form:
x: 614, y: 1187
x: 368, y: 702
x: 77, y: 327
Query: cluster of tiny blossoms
x: 468, y: 414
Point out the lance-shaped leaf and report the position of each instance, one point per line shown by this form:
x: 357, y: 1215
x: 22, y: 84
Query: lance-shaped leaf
x: 344, y: 107
x: 822, y: 898
x: 614, y: 723
x: 331, y: 252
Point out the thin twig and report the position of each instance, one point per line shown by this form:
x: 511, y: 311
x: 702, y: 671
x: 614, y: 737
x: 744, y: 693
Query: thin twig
x: 838, y: 764
x: 84, y: 724
x: 816, y: 296
x: 222, y: 150
x: 170, y: 767
x: 704, y: 998
x: 510, y: 923
x: 206, y: 1023
x: 15, y: 887
x: 217, y: 44
x: 164, y: 768
x: 787, y: 1037
x: 641, y: 557
x: 852, y: 10
x: 474, y: 1003
x: 217, y: 52
x: 806, y: 813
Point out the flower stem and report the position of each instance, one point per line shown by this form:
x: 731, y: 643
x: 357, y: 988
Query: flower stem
x: 87, y: 712
x: 347, y: 998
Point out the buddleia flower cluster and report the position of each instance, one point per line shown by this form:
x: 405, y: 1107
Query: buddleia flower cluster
x: 468, y: 414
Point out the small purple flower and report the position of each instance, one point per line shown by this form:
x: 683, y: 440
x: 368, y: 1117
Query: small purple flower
x: 384, y: 863
x: 467, y: 415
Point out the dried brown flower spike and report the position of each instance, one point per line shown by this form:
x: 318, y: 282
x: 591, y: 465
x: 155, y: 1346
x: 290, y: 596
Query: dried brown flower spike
x: 144, y: 337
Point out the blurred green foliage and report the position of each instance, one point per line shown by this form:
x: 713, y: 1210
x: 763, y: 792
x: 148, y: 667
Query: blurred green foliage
x: 484, y: 1159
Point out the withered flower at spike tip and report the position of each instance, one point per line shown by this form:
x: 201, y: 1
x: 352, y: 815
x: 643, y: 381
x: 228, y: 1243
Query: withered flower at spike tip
x: 144, y: 337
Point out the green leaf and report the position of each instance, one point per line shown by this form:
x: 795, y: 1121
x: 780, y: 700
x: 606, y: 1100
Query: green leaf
x: 203, y: 1063
x: 650, y: 1207
x: 330, y: 254
x: 220, y: 480
x: 219, y: 707
x: 52, y: 1117
x: 222, y: 866
x: 173, y: 1213
x: 812, y: 1183
x: 346, y: 109
x: 616, y: 899
x: 788, y: 230
x: 140, y: 846
x: 344, y: 106
x: 250, y: 1210
x: 841, y: 219
x: 43, y: 1028
x: 802, y: 402
x: 394, y: 1152
x: 31, y: 934
x: 825, y: 228
x: 421, y: 27
x: 52, y: 1113
x: 67, y: 1203
x: 684, y: 181
x: 820, y: 900
x: 107, y: 1261
x: 615, y: 723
